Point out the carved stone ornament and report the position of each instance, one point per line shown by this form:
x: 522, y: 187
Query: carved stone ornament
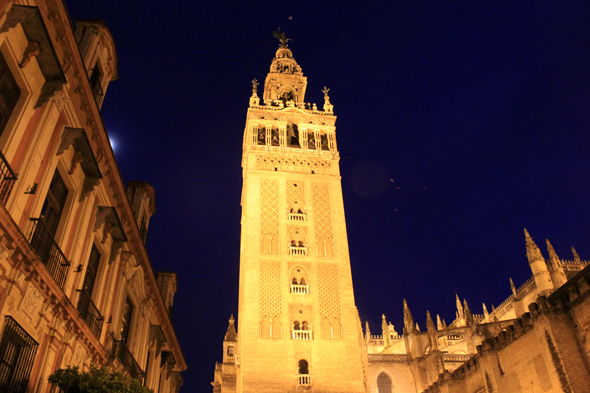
x: 79, y: 355
x: 32, y: 301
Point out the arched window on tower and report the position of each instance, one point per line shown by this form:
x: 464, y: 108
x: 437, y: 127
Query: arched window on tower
x: 303, y: 378
x: 384, y: 383
x: 303, y: 367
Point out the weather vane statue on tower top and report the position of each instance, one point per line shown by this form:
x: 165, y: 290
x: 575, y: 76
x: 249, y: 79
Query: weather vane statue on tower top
x: 281, y: 37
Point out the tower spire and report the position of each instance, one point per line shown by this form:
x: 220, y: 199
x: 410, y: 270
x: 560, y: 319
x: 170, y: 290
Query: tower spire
x: 439, y: 325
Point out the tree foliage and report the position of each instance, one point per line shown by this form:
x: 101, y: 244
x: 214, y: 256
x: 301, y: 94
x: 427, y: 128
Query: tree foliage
x: 95, y: 380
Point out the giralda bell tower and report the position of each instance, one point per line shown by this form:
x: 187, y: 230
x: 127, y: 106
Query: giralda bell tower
x: 298, y: 326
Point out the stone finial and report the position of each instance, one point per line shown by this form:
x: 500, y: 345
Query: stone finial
x: 429, y: 322
x: 439, y: 325
x: 408, y: 320
x: 417, y: 327
x: 255, y: 86
x: 368, y: 330
x: 513, y: 288
x: 231, y: 334
x: 576, y: 256
x: 532, y: 251
x: 385, y: 331
x: 431, y: 332
x: 486, y: 314
x: 553, y: 258
x: 444, y: 324
x: 392, y: 331
x: 468, y: 316
x: 460, y: 312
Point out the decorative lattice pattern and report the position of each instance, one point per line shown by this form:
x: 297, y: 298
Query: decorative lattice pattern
x: 270, y: 289
x: 295, y: 192
x: 269, y: 197
x: 321, y: 211
x: 329, y: 291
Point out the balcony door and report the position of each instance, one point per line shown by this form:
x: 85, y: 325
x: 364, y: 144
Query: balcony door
x: 54, y: 203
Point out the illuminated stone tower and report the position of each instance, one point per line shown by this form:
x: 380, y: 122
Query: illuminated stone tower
x: 298, y: 326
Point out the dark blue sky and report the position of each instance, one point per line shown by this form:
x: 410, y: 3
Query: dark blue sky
x: 459, y: 124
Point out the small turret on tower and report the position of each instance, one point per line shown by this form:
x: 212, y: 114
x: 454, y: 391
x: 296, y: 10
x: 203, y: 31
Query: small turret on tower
x: 538, y: 266
x: 229, y: 342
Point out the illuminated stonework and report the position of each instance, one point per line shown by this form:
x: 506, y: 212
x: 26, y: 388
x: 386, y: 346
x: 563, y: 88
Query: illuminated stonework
x: 298, y: 325
x: 297, y: 321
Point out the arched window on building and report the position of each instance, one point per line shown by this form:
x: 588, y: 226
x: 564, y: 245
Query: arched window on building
x: 296, y: 325
x: 384, y: 383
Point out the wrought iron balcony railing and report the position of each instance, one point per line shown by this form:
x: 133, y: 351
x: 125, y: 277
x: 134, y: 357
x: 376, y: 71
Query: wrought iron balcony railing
x: 304, y: 380
x: 7, y: 179
x: 121, y: 352
x: 89, y: 312
x: 49, y: 252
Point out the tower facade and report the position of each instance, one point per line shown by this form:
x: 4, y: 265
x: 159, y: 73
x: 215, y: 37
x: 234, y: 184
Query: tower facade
x: 298, y: 326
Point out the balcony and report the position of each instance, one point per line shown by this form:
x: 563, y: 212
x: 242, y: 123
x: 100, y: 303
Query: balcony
x: 121, y: 352
x: 300, y: 217
x: 304, y: 380
x: 7, y: 179
x: 301, y: 335
x: 301, y: 289
x: 299, y: 251
x: 89, y: 312
x: 49, y: 252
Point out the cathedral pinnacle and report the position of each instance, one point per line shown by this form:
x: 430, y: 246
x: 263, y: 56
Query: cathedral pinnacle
x: 439, y: 324
x: 385, y: 331
x: 468, y: 316
x: 460, y: 313
x: 486, y: 314
x: 553, y: 258
x: 408, y: 320
x: 576, y: 256
x: 532, y: 251
x: 513, y: 288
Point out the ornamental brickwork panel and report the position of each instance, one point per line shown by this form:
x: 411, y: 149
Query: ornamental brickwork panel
x: 322, y: 215
x: 269, y: 216
x: 329, y: 291
x: 270, y: 289
x: 295, y: 192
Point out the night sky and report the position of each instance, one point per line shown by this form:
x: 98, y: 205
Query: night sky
x: 459, y: 124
